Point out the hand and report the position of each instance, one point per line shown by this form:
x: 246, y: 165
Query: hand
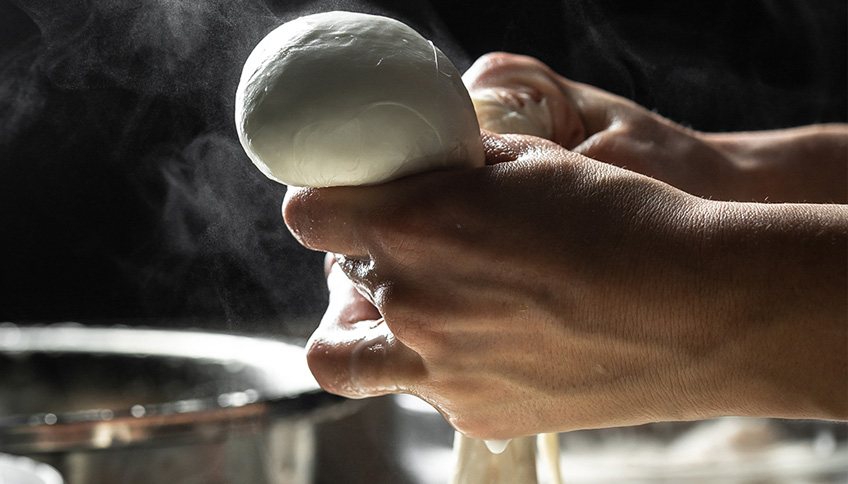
x: 803, y: 164
x: 548, y: 292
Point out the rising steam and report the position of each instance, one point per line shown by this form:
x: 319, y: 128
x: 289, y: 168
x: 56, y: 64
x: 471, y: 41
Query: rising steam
x: 122, y: 187
x: 124, y: 192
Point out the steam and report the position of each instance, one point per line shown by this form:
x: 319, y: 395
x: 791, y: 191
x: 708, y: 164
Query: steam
x: 173, y: 48
x: 729, y: 67
x: 124, y: 192
x: 123, y: 185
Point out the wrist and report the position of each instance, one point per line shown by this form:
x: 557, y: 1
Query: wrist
x: 742, y: 176
x: 805, y: 164
x: 775, y: 332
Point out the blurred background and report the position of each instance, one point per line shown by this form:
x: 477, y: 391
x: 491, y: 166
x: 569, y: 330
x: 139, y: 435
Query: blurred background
x: 126, y: 199
x: 125, y: 196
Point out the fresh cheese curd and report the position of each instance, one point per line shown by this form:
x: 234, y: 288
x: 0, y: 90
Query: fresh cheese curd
x: 341, y: 98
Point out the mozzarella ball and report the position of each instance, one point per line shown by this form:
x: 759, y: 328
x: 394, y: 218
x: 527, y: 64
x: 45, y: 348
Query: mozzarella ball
x: 341, y: 98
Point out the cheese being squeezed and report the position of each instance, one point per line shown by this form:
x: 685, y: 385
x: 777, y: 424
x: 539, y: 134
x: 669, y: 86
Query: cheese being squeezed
x: 343, y: 98
x: 503, y: 461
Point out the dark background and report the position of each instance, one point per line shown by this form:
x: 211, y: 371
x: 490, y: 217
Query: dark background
x: 125, y: 196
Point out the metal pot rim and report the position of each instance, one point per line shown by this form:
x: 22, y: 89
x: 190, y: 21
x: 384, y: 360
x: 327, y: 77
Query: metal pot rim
x: 296, y: 396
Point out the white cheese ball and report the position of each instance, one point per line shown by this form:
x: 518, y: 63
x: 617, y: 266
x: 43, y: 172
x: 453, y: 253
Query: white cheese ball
x: 343, y: 98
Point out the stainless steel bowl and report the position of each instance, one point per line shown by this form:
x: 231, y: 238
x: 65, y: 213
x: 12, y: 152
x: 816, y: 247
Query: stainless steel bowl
x: 137, y: 406
x: 142, y: 406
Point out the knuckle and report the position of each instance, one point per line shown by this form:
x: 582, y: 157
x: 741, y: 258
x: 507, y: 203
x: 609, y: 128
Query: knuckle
x: 495, y: 60
x: 328, y: 364
x: 500, y: 69
x: 403, y: 238
x: 411, y: 321
x: 410, y: 227
x: 419, y: 335
x: 298, y: 208
x: 360, y: 271
x: 404, y: 235
x: 603, y: 146
x: 359, y: 367
x: 504, y: 62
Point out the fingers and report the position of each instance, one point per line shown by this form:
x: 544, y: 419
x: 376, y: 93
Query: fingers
x: 527, y: 88
x: 500, y: 148
x: 348, y: 220
x: 610, y: 145
x: 318, y: 219
x: 394, y: 239
x: 349, y: 306
x: 361, y: 222
x: 577, y: 111
x: 362, y: 361
x: 599, y: 110
x: 353, y: 353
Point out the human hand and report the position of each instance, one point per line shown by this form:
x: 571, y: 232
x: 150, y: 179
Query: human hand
x: 546, y: 291
x: 803, y: 164
x: 549, y: 292
x: 607, y: 127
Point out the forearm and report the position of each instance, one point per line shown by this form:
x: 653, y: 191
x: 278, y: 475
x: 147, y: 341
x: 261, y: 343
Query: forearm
x: 779, y: 274
x: 807, y: 164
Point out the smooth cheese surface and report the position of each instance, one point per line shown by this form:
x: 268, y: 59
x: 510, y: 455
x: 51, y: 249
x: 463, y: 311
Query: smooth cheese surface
x: 343, y: 98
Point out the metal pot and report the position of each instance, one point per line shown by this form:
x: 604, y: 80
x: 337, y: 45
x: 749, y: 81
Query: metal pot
x: 138, y: 406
